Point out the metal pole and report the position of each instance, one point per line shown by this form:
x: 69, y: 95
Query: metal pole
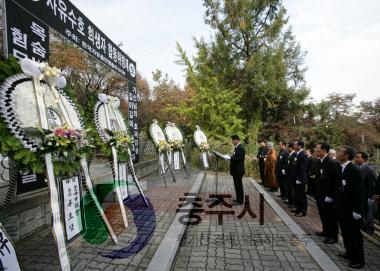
x: 3, y: 27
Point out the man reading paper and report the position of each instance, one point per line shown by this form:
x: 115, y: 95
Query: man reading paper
x: 237, y: 169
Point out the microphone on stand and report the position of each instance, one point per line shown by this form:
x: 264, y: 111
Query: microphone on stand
x: 218, y: 154
x: 224, y: 144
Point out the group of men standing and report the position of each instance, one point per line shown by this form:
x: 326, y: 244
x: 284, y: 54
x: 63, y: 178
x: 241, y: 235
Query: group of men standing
x: 290, y: 173
x: 344, y: 191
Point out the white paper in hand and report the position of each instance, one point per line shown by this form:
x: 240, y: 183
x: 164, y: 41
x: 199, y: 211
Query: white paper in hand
x: 226, y: 157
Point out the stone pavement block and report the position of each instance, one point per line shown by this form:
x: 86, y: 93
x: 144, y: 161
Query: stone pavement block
x: 232, y: 256
x: 199, y: 253
x: 198, y: 259
x: 220, y: 262
x: 270, y: 263
x: 123, y: 261
x: 197, y: 264
x: 273, y: 268
x: 52, y: 267
x: 233, y: 251
x: 110, y: 267
x: 234, y: 267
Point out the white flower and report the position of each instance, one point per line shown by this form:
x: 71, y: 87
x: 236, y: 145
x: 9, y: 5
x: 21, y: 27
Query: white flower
x: 103, y: 98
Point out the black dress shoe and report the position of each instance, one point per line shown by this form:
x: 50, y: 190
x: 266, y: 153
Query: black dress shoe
x: 319, y: 233
x: 291, y: 206
x: 356, y: 265
x: 344, y: 256
x: 330, y: 241
x: 300, y: 214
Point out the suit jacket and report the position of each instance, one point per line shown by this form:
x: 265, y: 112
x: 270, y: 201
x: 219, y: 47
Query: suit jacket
x: 282, y: 162
x: 369, y: 177
x: 327, y: 178
x: 261, y: 154
x: 290, y: 169
x: 348, y: 197
x: 312, y: 167
x: 237, y: 161
x: 300, y: 167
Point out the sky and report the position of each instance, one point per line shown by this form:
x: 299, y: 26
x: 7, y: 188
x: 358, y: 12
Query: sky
x: 341, y: 38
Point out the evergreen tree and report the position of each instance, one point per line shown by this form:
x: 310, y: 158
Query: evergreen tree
x: 255, y: 57
x: 213, y: 107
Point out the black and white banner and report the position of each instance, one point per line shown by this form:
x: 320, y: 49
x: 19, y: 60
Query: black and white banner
x: 27, y: 37
x: 72, y: 207
x: 8, y: 258
x: 70, y: 22
x: 132, y: 109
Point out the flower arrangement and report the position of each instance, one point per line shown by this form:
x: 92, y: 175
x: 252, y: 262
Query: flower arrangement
x: 119, y: 139
x: 48, y: 71
x: 176, y: 145
x: 163, y: 146
x: 204, y: 147
x: 67, y: 146
x: 64, y: 139
x: 122, y: 141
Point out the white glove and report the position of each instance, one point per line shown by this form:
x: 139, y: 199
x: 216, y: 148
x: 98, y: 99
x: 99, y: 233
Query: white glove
x: 298, y: 182
x: 283, y: 172
x: 328, y: 200
x: 371, y: 201
x: 356, y: 216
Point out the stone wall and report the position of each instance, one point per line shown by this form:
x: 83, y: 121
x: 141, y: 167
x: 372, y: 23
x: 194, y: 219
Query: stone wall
x: 30, y: 212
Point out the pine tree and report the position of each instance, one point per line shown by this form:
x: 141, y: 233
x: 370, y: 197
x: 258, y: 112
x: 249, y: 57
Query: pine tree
x: 253, y: 55
x: 213, y: 107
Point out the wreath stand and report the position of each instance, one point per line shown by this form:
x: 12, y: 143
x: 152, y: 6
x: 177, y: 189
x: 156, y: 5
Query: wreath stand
x: 162, y: 169
x: 180, y: 159
x: 108, y: 103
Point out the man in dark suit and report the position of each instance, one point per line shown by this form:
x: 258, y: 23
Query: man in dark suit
x: 326, y: 180
x: 237, y: 169
x: 377, y: 197
x: 349, y: 207
x: 300, y: 168
x: 369, y: 177
x: 290, y: 178
x: 311, y: 171
x: 261, y: 156
x: 281, y: 164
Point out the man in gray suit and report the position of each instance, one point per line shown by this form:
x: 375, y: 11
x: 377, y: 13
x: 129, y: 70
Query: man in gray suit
x: 369, y: 177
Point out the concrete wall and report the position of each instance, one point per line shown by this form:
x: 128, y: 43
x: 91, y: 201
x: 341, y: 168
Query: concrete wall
x: 30, y: 212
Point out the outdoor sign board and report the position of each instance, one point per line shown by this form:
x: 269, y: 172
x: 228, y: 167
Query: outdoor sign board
x: 26, y: 36
x: 27, y: 30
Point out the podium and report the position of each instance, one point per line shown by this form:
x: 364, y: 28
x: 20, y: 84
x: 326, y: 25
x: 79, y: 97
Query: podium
x: 219, y: 156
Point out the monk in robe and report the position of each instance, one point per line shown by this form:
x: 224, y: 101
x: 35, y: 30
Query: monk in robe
x: 270, y: 168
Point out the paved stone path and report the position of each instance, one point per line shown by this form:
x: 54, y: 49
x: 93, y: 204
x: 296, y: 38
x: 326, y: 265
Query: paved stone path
x: 229, y: 241
x: 240, y: 244
x: 38, y: 252
x: 312, y: 223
